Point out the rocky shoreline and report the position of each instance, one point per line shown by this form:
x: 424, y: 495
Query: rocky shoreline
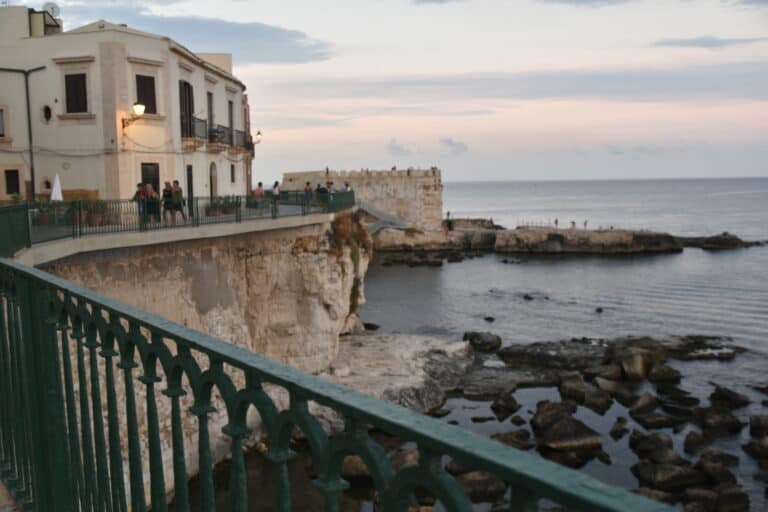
x: 680, y: 443
x: 636, y: 374
x: 470, y: 237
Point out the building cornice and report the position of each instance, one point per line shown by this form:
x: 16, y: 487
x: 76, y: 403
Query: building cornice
x: 145, y: 61
x: 77, y: 59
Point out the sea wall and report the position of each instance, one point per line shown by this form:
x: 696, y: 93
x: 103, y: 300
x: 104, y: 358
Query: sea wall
x: 414, y: 196
x: 286, y: 294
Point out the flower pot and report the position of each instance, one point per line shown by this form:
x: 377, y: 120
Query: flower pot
x: 44, y: 218
x: 95, y: 219
x: 213, y: 212
x: 229, y: 210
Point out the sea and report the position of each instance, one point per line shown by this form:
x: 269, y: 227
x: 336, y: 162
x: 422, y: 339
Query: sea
x: 720, y: 293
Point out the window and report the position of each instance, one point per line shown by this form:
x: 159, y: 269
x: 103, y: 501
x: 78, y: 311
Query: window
x: 232, y: 173
x: 12, y: 182
x: 187, y: 104
x: 150, y: 173
x: 231, y: 118
x: 209, y: 98
x: 77, y: 98
x: 2, y: 123
x: 145, y: 93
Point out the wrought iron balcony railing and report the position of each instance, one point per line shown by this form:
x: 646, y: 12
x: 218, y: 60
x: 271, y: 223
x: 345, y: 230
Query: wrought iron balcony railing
x: 27, y: 224
x: 199, y: 128
x: 84, y: 380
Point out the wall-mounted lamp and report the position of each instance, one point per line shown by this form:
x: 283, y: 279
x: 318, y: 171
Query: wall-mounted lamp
x: 257, y: 138
x: 137, y: 110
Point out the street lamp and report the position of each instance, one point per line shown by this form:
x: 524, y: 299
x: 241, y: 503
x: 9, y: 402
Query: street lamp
x: 257, y: 139
x: 137, y: 110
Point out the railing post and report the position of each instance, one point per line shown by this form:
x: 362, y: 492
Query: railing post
x: 238, y: 211
x: 27, y: 225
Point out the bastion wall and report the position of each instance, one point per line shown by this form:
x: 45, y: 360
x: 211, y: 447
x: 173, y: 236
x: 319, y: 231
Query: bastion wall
x: 414, y: 196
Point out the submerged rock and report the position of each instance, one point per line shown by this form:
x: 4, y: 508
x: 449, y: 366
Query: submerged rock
x: 575, y: 354
x: 724, y: 397
x: 645, y: 403
x: 695, y: 441
x: 758, y: 426
x: 520, y: 439
x: 505, y: 406
x: 483, y: 341
x: 667, y: 477
x: 568, y: 434
x: 663, y: 373
x: 645, y: 444
x: 548, y: 413
x: 619, y: 428
x: 482, y: 487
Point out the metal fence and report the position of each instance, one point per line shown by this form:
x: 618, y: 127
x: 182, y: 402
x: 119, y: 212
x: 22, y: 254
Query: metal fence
x: 32, y: 223
x: 78, y: 370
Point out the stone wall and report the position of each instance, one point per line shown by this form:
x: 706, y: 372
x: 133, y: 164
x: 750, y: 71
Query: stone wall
x: 415, y: 196
x: 286, y: 294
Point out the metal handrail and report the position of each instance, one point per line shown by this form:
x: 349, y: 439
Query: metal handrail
x: 29, y: 224
x: 49, y: 322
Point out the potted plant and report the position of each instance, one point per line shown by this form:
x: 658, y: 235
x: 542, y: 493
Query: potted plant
x: 213, y: 209
x: 44, y: 209
x: 97, y: 213
x: 228, y: 205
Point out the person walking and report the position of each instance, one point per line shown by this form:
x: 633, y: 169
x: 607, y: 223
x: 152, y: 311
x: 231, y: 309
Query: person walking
x: 140, y: 197
x: 276, y: 199
x: 307, y: 198
x: 168, y: 203
x: 259, y: 194
x: 178, y: 201
x: 153, y: 204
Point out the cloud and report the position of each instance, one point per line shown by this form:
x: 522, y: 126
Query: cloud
x: 455, y: 147
x: 249, y: 42
x: 396, y: 149
x: 422, y: 2
x: 709, y: 41
x: 747, y: 80
x: 586, y: 3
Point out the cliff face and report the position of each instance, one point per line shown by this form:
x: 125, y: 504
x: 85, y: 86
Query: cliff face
x: 284, y: 294
x: 577, y: 241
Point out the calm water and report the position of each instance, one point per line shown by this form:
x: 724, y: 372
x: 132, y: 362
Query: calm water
x: 695, y: 292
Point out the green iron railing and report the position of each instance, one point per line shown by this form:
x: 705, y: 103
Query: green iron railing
x: 14, y: 229
x: 83, y: 378
x: 31, y: 223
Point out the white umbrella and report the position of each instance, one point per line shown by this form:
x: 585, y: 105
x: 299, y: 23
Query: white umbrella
x: 56, y: 194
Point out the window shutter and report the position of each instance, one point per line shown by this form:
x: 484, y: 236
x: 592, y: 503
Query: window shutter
x: 145, y: 93
x: 2, y: 123
x: 77, y: 99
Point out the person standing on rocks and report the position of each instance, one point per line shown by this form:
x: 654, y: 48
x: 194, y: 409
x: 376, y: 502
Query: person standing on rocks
x: 556, y: 222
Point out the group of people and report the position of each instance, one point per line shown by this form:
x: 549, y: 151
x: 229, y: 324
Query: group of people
x: 573, y: 224
x: 150, y: 202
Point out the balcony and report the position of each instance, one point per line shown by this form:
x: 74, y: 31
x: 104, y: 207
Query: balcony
x: 194, y: 133
x: 219, y: 138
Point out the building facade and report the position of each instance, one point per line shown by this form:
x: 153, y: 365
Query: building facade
x: 84, y: 129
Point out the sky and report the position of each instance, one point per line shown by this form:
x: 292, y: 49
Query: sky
x: 487, y: 89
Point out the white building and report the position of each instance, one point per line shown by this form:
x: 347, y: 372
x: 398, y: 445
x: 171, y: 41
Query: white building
x: 194, y: 129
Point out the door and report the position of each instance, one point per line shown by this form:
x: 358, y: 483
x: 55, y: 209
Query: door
x: 190, y: 191
x: 213, y: 181
x: 187, y: 108
x: 150, y: 173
